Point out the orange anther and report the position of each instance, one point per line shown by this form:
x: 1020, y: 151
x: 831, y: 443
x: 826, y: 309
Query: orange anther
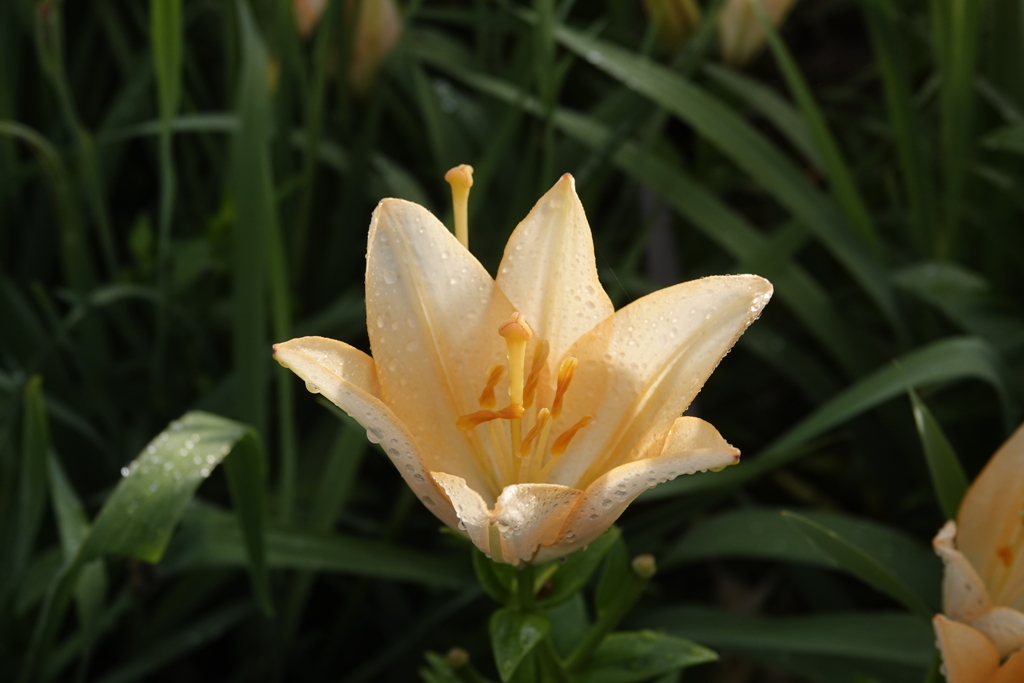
x: 540, y: 357
x: 467, y: 422
x: 516, y: 328
x: 565, y: 372
x: 1005, y: 554
x: 494, y: 374
x: 542, y: 419
x: 562, y: 442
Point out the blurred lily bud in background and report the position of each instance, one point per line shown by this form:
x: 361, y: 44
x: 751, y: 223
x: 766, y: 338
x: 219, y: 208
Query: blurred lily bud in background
x: 740, y: 36
x: 378, y: 28
x: 674, y: 21
x: 307, y: 14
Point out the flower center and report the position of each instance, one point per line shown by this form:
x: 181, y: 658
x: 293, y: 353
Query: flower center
x: 525, y: 459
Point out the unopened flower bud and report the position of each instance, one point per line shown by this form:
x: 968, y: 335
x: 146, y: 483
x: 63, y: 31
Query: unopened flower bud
x: 457, y: 658
x: 644, y: 566
x: 378, y: 29
x: 674, y: 21
x: 740, y: 35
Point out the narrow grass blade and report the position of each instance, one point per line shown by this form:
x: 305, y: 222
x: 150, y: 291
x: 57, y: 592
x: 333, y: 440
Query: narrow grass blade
x: 246, y: 472
x: 903, y: 118
x: 700, y: 207
x: 165, y: 29
x: 955, y: 31
x: 764, y: 534
x: 766, y: 102
x: 881, y: 637
x: 176, y: 645
x: 32, y: 489
x: 844, y: 188
x: 948, y: 476
x: 955, y: 358
x: 213, y: 538
x: 139, y: 516
x: 251, y: 192
x: 860, y: 563
x: 749, y: 149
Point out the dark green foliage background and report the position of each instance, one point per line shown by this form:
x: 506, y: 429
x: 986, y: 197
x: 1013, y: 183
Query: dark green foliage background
x: 173, y: 201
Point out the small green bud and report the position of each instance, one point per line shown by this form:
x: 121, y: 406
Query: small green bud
x: 644, y: 566
x: 457, y: 658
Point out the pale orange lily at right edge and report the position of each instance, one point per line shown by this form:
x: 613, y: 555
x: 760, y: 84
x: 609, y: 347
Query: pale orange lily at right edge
x: 981, y: 634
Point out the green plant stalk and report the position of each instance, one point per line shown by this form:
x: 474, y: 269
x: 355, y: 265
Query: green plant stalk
x: 607, y: 621
x: 49, y: 49
x: 166, y: 37
x: 544, y: 62
x: 955, y: 35
x: 314, y: 130
x: 843, y: 187
x: 526, y: 588
x: 903, y: 118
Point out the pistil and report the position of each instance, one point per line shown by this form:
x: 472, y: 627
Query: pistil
x: 461, y: 179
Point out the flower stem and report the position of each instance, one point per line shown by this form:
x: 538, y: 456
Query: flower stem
x: 525, y: 588
x: 633, y: 587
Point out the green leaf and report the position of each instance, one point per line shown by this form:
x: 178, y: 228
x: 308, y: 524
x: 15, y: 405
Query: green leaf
x: 702, y: 208
x: 617, y: 573
x: 246, y: 473
x: 836, y: 168
x: 1006, y: 139
x: 139, y: 516
x: 903, y: 118
x: 748, y: 148
x: 178, y: 644
x: 32, y: 475
x: 762, y: 533
x: 513, y: 636
x: 637, y: 656
x: 948, y: 476
x: 569, y: 624
x: 953, y: 358
x: 765, y: 101
x: 883, y: 637
x: 576, y: 570
x: 860, y: 563
x: 212, y: 537
x: 166, y: 32
x: 497, y: 580
x: 252, y: 194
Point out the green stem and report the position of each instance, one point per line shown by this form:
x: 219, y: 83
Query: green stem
x: 525, y: 588
x: 607, y: 620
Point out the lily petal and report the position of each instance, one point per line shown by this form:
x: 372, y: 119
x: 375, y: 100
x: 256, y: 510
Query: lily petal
x: 548, y: 271
x: 432, y: 315
x: 346, y: 377
x: 641, y: 368
x: 692, y: 445
x: 991, y: 525
x: 524, y: 517
x: 964, y: 596
x: 1012, y: 670
x: 967, y: 654
x: 1004, y: 627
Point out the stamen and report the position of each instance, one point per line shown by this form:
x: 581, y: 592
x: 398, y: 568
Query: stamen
x: 461, y: 179
x: 562, y: 442
x: 543, y: 417
x: 565, y: 372
x: 516, y: 332
x: 494, y: 374
x: 540, y: 357
x: 467, y: 422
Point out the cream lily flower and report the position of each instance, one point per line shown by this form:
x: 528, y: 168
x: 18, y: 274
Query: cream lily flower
x: 595, y: 395
x: 983, y: 586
